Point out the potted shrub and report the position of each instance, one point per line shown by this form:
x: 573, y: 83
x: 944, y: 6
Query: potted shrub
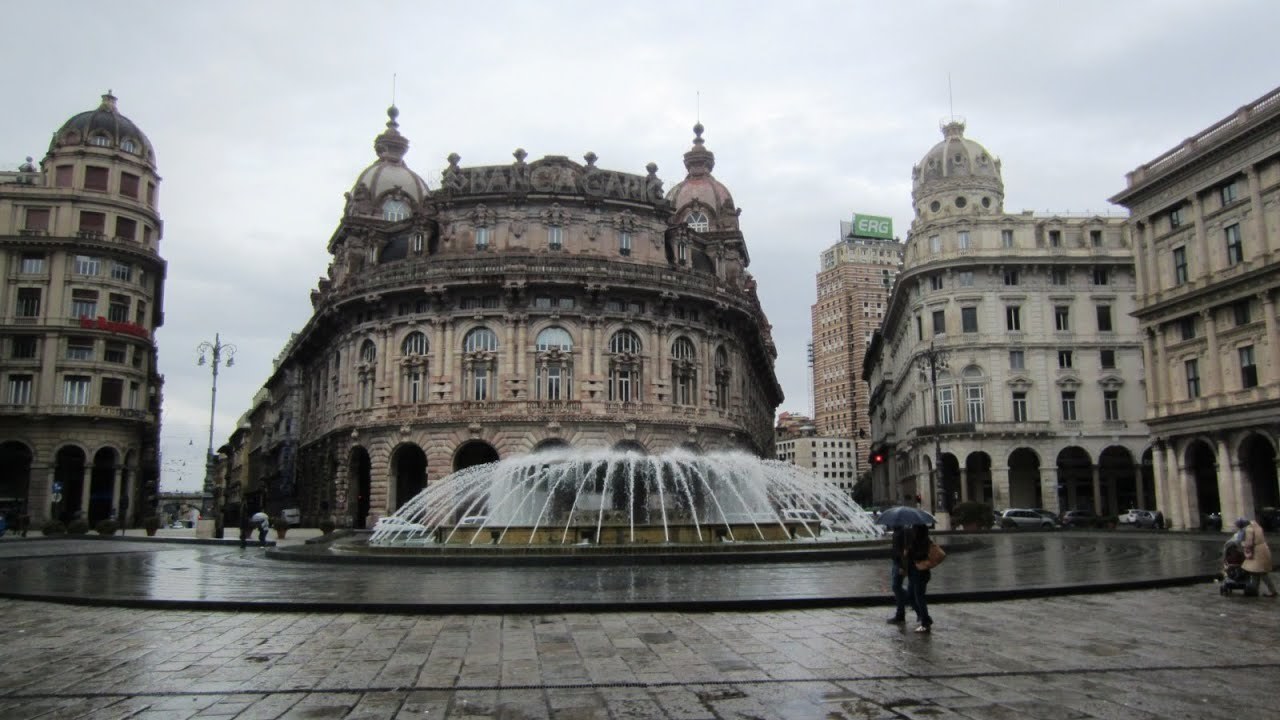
x: 151, y: 524
x: 106, y: 527
x: 972, y: 516
x: 77, y: 527
x: 327, y: 526
x: 281, y: 525
x: 54, y: 527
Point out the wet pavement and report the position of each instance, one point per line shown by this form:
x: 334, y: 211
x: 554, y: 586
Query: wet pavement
x: 1180, y: 651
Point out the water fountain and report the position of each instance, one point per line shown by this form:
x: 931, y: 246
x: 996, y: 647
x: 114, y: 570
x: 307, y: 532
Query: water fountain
x: 616, y: 498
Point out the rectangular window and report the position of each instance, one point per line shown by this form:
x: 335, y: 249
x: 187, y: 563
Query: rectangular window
x: 121, y: 271
x: 553, y: 382
x: 111, y: 394
x: 140, y: 313
x: 624, y: 243
x: 962, y: 238
x: 126, y: 229
x: 935, y: 282
x: 84, y: 303
x: 975, y: 403
x: 86, y: 265
x: 151, y: 193
x: 1006, y: 238
x: 1013, y: 318
x: 935, y: 244
x: 75, y: 390
x: 79, y: 348
x: 146, y: 234
x: 133, y: 397
x: 969, y: 319
x: 23, y: 347
x: 19, y: 390
x: 1017, y: 360
x: 1228, y: 193
x: 62, y: 176
x: 1058, y: 276
x: 32, y: 264
x: 1241, y: 312
x: 93, y: 222
x: 542, y: 302
x: 1104, y: 318
x: 482, y: 238
x: 1180, y: 266
x: 95, y: 178
x: 28, y: 302
x: 1019, y: 406
x: 37, y: 219
x: 115, y: 352
x: 129, y: 185
x: 1175, y: 218
x: 1055, y: 238
x: 480, y: 383
x: 1010, y: 277
x: 1065, y: 359
x: 919, y: 328
x: 1192, y: 370
x: 1235, y: 248
x: 1111, y: 404
x: 939, y: 322
x: 1187, y: 327
x: 555, y: 237
x: 1248, y: 370
x: 1107, y: 359
x: 946, y: 405
x: 118, y: 309
x: 1095, y: 238
x: 1100, y: 276
x: 1062, y: 318
x: 1068, y: 405
x: 966, y: 278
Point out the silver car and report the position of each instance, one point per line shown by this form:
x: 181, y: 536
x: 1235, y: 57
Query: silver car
x: 1015, y: 519
x: 1140, y: 518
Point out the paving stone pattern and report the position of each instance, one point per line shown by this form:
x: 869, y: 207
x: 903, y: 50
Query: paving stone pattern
x: 1181, y: 652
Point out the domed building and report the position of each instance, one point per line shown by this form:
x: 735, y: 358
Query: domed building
x: 82, y: 293
x: 1033, y: 398
x: 513, y: 308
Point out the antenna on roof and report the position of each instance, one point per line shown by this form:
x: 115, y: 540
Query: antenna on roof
x: 393, y: 88
x: 951, y: 105
x: 698, y: 106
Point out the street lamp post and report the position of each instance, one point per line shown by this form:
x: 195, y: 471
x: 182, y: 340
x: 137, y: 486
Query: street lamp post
x: 934, y: 359
x: 220, y: 352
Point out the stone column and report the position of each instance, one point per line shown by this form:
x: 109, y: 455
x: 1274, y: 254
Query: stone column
x: 1205, y: 261
x: 1155, y: 391
x: 1213, y: 386
x: 84, y: 494
x: 1244, y: 498
x: 1228, y: 500
x: 115, y: 494
x: 1141, y: 236
x: 1161, y: 370
x: 964, y: 484
x: 1174, y: 489
x: 1049, y: 489
x: 447, y: 353
x: 1272, y: 377
x: 1140, y: 488
x: 1257, y: 216
x: 1000, y: 487
x: 1097, y: 488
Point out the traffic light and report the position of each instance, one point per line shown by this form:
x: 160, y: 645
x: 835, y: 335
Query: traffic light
x: 877, y: 458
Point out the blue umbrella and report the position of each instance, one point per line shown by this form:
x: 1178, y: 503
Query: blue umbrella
x: 903, y: 516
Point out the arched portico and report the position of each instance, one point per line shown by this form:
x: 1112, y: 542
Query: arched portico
x: 409, y: 472
x: 15, y: 478
x: 1258, y: 464
x: 1075, y: 480
x: 473, y: 452
x: 551, y: 444
x: 1120, y: 486
x: 1202, y: 468
x: 630, y: 446
x: 950, y: 482
x: 978, y: 486
x: 1024, y: 479
x: 102, y: 486
x: 69, y: 492
x: 359, y: 485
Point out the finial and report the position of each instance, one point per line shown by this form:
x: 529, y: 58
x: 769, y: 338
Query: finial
x: 519, y: 155
x: 109, y: 101
x: 453, y: 160
x: 652, y: 168
x: 697, y: 134
x: 591, y: 158
x: 393, y: 112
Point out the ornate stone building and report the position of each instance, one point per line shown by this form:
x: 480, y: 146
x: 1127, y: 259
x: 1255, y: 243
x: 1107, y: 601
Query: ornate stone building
x: 518, y: 307
x: 1206, y: 224
x: 1040, y: 401
x: 81, y: 291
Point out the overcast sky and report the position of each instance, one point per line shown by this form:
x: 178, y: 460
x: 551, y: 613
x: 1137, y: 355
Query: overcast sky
x: 263, y: 114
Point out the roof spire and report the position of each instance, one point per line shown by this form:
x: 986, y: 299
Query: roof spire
x: 699, y: 160
x: 391, y: 145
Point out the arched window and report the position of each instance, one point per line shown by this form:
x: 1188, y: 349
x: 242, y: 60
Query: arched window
x: 975, y: 402
x: 368, y: 352
x: 479, y: 363
x: 394, y: 209
x: 684, y: 372
x: 482, y: 238
x: 624, y: 367
x: 414, y: 344
x: 722, y: 378
x: 554, y: 361
x: 129, y: 146
x: 697, y: 220
x: 100, y: 141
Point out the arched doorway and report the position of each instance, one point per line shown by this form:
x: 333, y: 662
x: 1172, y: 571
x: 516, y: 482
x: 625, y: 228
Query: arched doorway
x: 1075, y: 480
x: 950, y: 482
x: 1202, y: 465
x: 629, y: 446
x: 474, y: 452
x: 550, y: 444
x: 15, y: 479
x: 1024, y: 479
x: 359, y: 485
x: 102, y: 485
x: 977, y: 478
x: 68, y: 483
x: 1258, y: 460
x: 1119, y: 480
x: 409, y: 468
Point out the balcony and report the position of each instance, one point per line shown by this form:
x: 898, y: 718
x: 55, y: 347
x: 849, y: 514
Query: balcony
x: 982, y: 428
x: 93, y: 411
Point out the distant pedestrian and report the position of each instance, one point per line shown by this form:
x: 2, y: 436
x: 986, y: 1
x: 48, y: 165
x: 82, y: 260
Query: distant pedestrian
x: 898, y: 576
x: 1257, y: 555
x: 1159, y: 523
x: 916, y: 549
x: 264, y: 524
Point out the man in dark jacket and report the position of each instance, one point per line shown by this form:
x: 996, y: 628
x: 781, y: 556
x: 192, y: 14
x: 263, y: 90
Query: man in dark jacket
x: 916, y: 542
x: 897, y: 576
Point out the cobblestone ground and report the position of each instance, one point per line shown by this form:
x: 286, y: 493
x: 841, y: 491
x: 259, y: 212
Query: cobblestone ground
x: 1173, y: 653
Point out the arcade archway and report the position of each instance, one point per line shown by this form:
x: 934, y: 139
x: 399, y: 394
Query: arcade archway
x: 1202, y: 465
x: 1024, y: 479
x: 977, y: 478
x: 1258, y: 460
x: 360, y: 485
x: 409, y: 468
x: 1075, y: 480
x: 474, y: 452
x: 15, y: 478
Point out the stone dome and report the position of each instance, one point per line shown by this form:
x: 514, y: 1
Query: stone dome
x: 701, y: 192
x: 389, y: 172
x: 958, y: 168
x: 104, y: 127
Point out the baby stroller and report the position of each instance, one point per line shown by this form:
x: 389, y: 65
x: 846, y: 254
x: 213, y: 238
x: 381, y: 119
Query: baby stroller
x: 1234, y: 576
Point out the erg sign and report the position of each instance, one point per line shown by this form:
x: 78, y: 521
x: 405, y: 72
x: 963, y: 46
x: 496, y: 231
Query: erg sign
x: 872, y: 226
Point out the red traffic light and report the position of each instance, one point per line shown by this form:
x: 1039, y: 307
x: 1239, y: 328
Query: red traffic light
x: 877, y: 458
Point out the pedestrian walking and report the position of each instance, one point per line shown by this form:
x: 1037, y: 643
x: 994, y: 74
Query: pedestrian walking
x: 916, y: 549
x: 898, y: 576
x: 1257, y: 554
x: 264, y: 524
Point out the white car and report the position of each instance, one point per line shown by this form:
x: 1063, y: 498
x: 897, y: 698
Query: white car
x: 400, y: 525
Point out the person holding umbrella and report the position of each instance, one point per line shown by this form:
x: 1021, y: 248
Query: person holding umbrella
x: 904, y: 521
x: 264, y: 524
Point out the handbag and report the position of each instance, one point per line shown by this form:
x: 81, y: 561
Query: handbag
x: 935, y: 558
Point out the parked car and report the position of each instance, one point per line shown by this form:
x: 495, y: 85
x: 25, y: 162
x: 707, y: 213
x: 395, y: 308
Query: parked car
x: 1053, y: 516
x: 1078, y: 519
x: 1212, y: 521
x: 1139, y: 518
x: 395, y: 524
x: 1017, y: 518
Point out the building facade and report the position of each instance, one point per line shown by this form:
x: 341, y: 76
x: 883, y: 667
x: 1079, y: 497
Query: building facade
x: 853, y: 286
x: 1206, y: 225
x: 81, y: 295
x: 1034, y: 396
x: 519, y: 307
